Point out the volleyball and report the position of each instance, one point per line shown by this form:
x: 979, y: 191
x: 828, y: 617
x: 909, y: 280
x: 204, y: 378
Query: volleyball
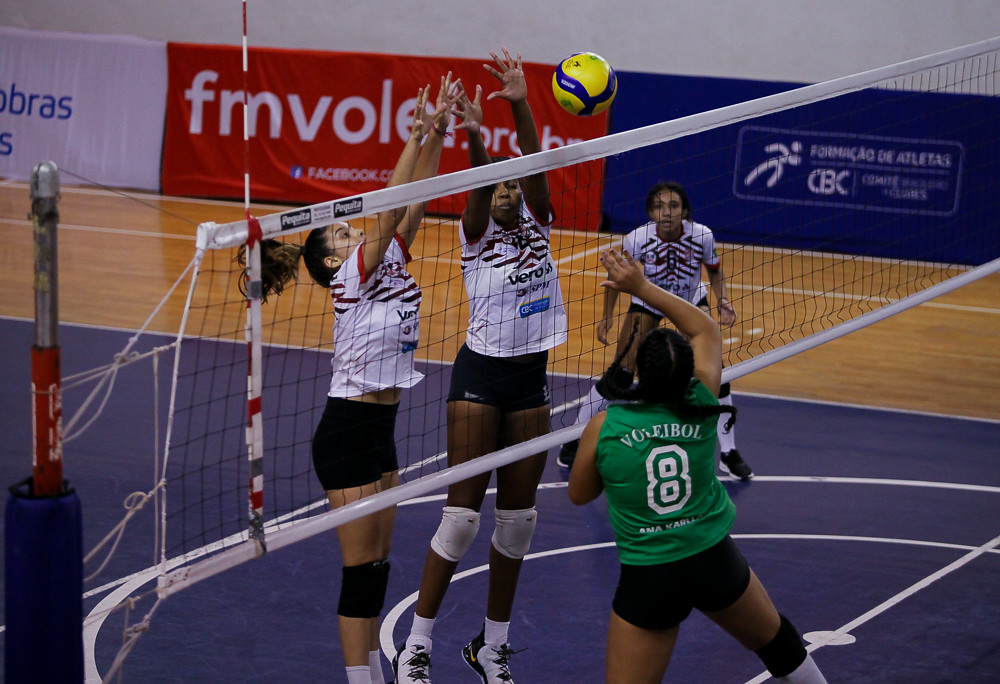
x: 584, y: 84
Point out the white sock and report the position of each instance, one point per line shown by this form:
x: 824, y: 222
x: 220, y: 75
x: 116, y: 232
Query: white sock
x: 727, y: 440
x: 375, y: 667
x: 358, y: 675
x: 420, y: 632
x: 591, y: 406
x: 806, y: 673
x: 495, y: 633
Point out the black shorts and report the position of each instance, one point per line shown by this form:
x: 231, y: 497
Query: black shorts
x: 508, y: 384
x: 639, y: 308
x: 354, y: 443
x: 661, y: 596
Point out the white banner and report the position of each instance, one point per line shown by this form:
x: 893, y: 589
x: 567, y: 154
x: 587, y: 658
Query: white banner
x: 93, y: 104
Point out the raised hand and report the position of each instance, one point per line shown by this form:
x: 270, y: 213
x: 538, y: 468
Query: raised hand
x: 510, y: 74
x: 624, y: 273
x: 447, y: 96
x: 469, y: 111
x: 421, y: 120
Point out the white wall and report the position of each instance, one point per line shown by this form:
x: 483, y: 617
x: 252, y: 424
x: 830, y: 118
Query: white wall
x: 781, y: 40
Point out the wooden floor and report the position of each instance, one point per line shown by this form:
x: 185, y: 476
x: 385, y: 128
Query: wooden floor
x: 120, y: 253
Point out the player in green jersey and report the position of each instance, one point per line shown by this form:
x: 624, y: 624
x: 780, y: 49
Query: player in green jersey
x: 654, y: 457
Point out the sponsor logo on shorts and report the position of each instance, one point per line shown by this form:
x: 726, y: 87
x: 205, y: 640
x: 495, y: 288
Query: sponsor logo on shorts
x: 534, y: 307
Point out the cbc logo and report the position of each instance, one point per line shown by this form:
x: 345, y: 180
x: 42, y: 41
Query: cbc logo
x: 829, y: 182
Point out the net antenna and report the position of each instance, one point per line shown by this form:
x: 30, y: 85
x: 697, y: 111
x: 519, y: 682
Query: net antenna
x: 255, y: 434
x: 801, y: 269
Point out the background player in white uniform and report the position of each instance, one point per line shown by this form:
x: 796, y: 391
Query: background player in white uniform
x: 499, y: 388
x: 375, y: 332
x: 672, y: 249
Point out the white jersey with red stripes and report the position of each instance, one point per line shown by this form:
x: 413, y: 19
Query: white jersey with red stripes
x: 674, y: 266
x: 377, y: 324
x: 515, y: 302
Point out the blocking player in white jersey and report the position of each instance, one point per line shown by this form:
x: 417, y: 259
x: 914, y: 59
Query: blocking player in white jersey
x: 375, y: 332
x: 673, y: 250
x: 499, y: 391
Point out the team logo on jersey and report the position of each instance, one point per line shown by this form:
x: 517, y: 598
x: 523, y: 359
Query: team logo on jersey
x: 392, y: 269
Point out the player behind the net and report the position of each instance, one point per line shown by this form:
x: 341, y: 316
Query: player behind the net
x: 672, y: 248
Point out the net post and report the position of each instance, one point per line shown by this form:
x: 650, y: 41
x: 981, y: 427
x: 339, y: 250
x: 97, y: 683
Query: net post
x: 43, y: 530
x: 45, y: 372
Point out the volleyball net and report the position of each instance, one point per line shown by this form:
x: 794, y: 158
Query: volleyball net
x: 833, y: 205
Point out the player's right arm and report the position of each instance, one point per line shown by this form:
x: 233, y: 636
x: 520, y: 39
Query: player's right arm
x: 476, y: 216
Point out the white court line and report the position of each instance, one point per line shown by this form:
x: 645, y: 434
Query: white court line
x: 591, y: 273
x: 835, y: 636
x: 392, y: 617
x: 95, y: 619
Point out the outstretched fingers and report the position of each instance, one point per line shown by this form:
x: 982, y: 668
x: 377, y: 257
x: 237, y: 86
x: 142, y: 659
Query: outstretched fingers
x: 510, y: 73
x: 624, y: 273
x: 421, y: 124
x: 447, y: 96
x: 469, y: 111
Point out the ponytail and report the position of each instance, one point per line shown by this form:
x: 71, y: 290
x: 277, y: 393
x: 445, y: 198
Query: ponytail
x: 279, y: 262
x: 279, y: 266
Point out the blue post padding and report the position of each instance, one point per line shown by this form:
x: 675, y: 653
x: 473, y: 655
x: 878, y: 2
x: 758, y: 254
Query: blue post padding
x: 44, y: 587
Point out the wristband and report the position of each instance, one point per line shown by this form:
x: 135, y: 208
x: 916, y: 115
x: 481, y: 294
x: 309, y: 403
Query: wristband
x: 444, y: 134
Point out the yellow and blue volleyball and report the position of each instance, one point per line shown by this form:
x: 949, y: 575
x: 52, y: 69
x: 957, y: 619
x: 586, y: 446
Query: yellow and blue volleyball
x: 584, y: 84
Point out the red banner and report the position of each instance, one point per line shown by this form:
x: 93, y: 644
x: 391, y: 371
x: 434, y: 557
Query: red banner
x: 325, y: 125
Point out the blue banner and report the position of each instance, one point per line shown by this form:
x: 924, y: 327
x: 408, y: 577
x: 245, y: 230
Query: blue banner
x: 881, y: 173
x: 873, y: 173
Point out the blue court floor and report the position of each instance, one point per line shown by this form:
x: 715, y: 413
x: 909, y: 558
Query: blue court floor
x: 875, y: 531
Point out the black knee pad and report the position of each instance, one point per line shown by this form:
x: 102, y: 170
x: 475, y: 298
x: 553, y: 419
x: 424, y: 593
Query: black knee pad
x: 723, y: 390
x: 362, y: 591
x: 785, y: 653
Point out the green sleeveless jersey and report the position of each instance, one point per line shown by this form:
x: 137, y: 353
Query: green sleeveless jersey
x: 664, y: 499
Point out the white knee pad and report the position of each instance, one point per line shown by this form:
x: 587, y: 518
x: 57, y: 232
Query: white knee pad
x: 456, y: 532
x: 513, y: 532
